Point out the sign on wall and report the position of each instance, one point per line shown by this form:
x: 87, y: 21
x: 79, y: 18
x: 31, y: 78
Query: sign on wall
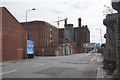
x: 30, y: 47
x: 98, y: 45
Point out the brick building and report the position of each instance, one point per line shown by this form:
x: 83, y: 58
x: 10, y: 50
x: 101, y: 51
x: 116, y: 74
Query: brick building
x: 10, y: 37
x: 81, y: 35
x: 77, y: 31
x: 78, y: 39
x: 85, y: 34
x: 44, y: 36
x: 67, y: 47
x: 61, y: 32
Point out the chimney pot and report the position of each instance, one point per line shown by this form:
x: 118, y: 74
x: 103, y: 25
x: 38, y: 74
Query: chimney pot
x: 79, y: 22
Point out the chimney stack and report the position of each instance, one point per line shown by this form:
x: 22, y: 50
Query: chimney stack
x: 86, y: 26
x: 65, y: 22
x: 79, y: 22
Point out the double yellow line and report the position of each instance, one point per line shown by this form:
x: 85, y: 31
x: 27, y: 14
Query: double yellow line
x: 93, y: 58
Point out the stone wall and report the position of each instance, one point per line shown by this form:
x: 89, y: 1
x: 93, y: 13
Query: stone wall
x: 110, y: 50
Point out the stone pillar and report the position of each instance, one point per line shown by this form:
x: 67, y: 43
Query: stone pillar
x: 116, y: 6
x: 110, y: 50
x: 67, y: 49
x: 71, y: 51
x: 63, y: 50
x: 118, y: 43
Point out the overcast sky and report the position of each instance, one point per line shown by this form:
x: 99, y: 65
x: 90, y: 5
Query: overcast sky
x: 91, y: 12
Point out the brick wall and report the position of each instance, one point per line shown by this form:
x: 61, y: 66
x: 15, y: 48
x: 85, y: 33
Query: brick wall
x: 0, y: 47
x: 78, y: 39
x: 48, y: 51
x: 0, y: 34
x: 20, y: 53
x: 12, y: 36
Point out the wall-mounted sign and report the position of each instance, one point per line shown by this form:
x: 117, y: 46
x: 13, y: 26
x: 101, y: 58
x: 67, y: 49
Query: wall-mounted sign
x: 98, y: 45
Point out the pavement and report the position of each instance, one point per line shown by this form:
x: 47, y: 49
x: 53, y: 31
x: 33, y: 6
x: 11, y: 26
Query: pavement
x: 87, y: 65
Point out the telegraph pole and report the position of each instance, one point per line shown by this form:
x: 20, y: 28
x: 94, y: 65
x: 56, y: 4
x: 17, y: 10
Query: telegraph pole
x: 100, y: 35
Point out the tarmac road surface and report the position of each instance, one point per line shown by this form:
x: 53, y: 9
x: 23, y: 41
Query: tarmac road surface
x: 86, y: 65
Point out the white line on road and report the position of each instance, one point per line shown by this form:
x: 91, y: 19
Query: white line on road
x: 99, y: 60
x: 39, y: 65
x: 93, y: 58
x: 8, y: 72
x: 99, y: 73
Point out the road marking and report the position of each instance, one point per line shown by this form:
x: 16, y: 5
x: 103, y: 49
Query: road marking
x: 39, y: 65
x: 99, y: 73
x: 42, y: 64
x: 93, y: 58
x: 8, y: 72
x: 100, y: 60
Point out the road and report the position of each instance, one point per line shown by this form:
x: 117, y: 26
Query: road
x: 85, y: 65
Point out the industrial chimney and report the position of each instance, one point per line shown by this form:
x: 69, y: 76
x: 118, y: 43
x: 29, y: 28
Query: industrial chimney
x: 79, y: 22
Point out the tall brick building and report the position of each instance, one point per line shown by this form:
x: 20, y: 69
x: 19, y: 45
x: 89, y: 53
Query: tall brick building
x: 10, y: 36
x: 78, y: 37
x: 81, y: 35
x: 44, y: 36
x: 85, y: 34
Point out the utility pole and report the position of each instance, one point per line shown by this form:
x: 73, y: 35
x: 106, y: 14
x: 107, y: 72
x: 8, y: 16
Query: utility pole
x: 26, y: 33
x: 100, y: 35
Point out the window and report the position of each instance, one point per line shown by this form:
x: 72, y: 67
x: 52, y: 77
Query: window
x: 29, y: 32
x: 50, y: 40
x: 60, y: 42
x: 29, y: 27
x: 50, y: 35
x: 22, y: 25
x: 50, y: 29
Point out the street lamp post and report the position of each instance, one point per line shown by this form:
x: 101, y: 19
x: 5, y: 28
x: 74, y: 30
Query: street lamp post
x: 26, y: 33
x: 116, y: 6
x: 27, y: 13
x: 100, y: 35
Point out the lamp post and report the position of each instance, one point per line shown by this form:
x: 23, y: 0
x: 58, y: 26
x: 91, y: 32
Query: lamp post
x: 26, y: 33
x: 100, y: 35
x: 116, y: 6
x: 27, y: 13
